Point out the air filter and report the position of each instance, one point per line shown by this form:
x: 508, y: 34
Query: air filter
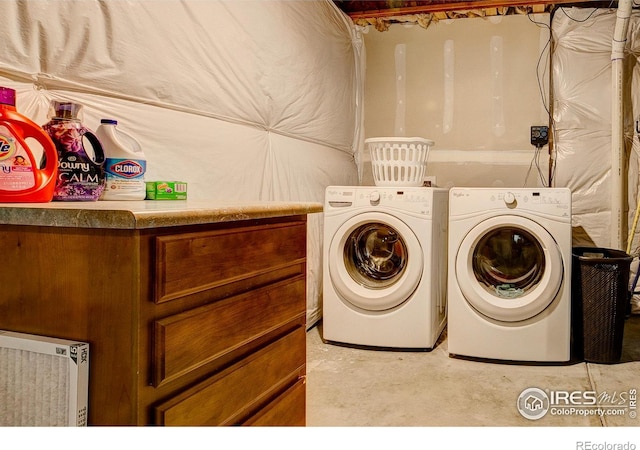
x: 43, y: 381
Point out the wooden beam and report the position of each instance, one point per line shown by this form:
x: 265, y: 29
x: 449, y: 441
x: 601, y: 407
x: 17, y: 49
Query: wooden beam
x: 438, y: 6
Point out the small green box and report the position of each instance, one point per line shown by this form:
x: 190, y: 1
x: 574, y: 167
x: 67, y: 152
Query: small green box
x: 166, y: 190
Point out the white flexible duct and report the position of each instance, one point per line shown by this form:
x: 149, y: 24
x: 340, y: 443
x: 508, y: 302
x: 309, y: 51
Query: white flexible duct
x: 618, y: 169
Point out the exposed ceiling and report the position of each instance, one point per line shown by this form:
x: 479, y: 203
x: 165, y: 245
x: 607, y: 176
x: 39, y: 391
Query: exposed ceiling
x: 381, y: 14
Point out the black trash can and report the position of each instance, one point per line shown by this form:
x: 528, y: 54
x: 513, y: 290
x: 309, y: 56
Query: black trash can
x: 600, y: 293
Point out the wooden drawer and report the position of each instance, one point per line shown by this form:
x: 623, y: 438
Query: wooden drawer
x: 289, y: 409
x: 186, y: 341
x: 238, y: 392
x: 195, y: 262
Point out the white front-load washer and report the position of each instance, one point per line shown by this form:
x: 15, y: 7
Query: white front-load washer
x: 384, y: 266
x: 509, y: 282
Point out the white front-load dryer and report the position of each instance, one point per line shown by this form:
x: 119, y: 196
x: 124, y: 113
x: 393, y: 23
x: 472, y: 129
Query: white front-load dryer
x: 509, y: 281
x: 384, y: 266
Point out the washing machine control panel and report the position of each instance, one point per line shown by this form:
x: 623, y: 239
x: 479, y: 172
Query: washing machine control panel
x: 416, y: 200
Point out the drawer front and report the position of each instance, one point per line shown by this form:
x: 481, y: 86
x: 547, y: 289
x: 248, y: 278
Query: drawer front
x: 289, y: 409
x: 189, y: 340
x: 241, y: 390
x: 195, y: 262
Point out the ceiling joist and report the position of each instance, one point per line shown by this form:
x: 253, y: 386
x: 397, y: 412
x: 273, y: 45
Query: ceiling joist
x: 381, y: 14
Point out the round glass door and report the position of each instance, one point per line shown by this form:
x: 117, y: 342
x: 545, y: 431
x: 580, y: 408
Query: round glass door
x: 375, y: 256
x: 509, y: 268
x: 375, y: 261
x: 508, y: 262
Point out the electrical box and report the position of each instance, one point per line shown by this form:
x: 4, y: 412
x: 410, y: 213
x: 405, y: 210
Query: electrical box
x: 539, y: 136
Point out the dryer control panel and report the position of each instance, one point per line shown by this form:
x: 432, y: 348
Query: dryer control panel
x: 550, y: 201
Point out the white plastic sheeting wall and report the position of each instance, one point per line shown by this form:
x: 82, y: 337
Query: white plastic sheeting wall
x: 244, y: 100
x: 582, y: 94
x: 582, y: 118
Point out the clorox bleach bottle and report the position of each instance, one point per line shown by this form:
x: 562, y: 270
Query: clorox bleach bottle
x: 126, y: 163
x: 21, y: 177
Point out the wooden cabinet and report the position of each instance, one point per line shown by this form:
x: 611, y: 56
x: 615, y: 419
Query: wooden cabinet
x: 188, y: 325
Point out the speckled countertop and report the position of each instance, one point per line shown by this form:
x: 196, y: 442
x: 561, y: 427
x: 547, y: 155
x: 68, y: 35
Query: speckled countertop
x: 145, y: 214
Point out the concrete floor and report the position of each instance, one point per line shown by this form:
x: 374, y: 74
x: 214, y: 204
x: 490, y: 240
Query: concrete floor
x: 356, y: 387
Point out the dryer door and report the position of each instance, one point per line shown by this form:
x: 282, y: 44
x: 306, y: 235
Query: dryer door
x: 375, y: 261
x: 509, y: 268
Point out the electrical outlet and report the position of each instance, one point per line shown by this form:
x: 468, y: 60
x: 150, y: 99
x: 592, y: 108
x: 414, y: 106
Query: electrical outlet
x: 429, y: 181
x: 539, y: 136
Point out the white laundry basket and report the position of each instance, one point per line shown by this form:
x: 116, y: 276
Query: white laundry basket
x: 399, y: 161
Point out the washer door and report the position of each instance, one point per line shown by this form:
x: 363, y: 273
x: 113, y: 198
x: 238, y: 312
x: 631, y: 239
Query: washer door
x: 375, y: 261
x: 509, y: 268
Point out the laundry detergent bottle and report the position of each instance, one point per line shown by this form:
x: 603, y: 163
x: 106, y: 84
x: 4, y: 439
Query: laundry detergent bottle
x: 22, y: 179
x: 80, y: 168
x: 125, y: 165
